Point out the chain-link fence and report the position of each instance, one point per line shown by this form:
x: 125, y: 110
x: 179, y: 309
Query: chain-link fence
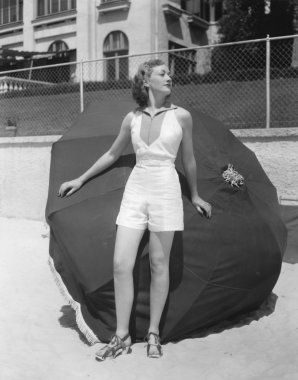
x: 251, y: 84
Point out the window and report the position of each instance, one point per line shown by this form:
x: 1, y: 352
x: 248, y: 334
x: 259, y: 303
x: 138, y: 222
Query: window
x: 57, y: 47
x: 11, y: 11
x: 116, y: 45
x: 111, y: 1
x: 204, y: 12
x: 107, y: 6
x: 218, y: 10
x: 181, y: 62
x: 48, y: 7
x: 59, y: 73
x: 200, y: 8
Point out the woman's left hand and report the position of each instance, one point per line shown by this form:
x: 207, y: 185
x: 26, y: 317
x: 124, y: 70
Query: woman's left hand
x: 204, y: 208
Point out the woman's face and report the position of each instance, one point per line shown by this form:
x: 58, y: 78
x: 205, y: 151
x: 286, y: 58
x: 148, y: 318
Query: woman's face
x: 160, y: 80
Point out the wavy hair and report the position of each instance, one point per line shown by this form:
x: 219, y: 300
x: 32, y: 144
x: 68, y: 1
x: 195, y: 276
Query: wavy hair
x: 139, y: 91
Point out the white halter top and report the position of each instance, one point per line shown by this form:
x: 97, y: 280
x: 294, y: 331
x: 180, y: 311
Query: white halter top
x: 165, y: 147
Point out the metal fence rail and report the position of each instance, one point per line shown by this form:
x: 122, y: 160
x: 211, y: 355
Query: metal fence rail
x: 250, y: 84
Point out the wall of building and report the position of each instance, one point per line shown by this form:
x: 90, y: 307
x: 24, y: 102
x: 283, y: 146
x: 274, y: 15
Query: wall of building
x: 147, y: 27
x: 136, y: 24
x: 29, y: 13
x: 24, y: 173
x: 25, y: 163
x: 37, y: 34
x: 277, y: 151
x: 13, y: 41
x: 85, y: 30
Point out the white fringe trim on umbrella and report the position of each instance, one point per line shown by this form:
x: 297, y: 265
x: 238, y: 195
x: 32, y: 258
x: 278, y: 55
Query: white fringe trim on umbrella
x: 82, y: 325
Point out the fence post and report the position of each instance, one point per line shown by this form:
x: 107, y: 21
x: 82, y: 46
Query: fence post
x: 81, y: 87
x: 268, y: 101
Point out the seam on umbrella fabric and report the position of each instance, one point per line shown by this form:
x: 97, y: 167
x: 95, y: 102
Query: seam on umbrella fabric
x: 256, y: 195
x: 206, y: 283
x: 264, y: 220
x: 230, y: 287
x: 82, y: 201
x: 60, y: 141
x: 212, y: 283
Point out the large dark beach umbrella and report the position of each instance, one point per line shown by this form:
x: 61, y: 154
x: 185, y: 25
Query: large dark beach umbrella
x: 219, y: 268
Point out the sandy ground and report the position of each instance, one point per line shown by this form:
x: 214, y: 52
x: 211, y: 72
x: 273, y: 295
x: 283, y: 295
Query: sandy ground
x: 39, y: 339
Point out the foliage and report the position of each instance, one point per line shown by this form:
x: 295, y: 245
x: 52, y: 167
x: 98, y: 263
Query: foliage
x: 243, y: 20
x: 247, y: 20
x: 280, y: 20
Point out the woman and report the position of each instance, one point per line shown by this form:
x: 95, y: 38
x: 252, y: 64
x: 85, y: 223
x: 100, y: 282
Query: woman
x: 152, y: 197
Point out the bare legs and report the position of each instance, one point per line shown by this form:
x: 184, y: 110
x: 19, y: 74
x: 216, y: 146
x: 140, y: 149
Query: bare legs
x: 126, y: 248
x: 160, y: 244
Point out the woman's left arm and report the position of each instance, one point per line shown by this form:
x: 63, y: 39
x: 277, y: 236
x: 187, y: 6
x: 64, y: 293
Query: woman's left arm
x: 189, y: 162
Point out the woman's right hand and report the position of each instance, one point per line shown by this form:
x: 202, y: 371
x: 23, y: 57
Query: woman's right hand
x: 68, y: 188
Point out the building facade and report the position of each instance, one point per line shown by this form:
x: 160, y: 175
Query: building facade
x: 78, y: 30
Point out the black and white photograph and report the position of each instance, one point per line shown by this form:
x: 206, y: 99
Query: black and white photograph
x: 148, y: 189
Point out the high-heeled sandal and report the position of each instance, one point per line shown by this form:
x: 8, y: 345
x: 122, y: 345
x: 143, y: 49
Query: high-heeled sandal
x: 115, y: 348
x: 156, y: 343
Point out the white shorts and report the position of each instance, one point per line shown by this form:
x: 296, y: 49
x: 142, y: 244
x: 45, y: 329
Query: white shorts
x: 152, y: 199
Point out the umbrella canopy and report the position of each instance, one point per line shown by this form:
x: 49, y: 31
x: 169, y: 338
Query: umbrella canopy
x: 219, y: 267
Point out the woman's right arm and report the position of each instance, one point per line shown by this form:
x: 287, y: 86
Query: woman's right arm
x: 106, y: 160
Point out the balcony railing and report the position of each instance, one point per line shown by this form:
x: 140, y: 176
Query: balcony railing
x: 191, y: 18
x: 113, y: 5
x: 197, y: 21
x: 9, y: 84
